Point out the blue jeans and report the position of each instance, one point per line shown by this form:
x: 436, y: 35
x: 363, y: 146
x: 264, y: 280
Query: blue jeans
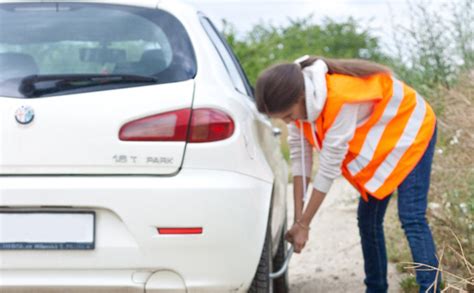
x: 412, y: 203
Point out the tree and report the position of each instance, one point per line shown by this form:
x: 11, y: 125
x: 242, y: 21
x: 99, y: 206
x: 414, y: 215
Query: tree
x: 266, y: 44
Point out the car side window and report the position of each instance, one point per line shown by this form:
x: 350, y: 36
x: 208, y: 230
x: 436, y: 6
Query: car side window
x: 230, y: 61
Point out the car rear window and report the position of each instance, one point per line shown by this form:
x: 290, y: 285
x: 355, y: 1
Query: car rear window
x: 85, y: 39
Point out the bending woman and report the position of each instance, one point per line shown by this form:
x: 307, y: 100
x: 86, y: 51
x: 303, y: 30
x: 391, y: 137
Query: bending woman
x: 375, y: 130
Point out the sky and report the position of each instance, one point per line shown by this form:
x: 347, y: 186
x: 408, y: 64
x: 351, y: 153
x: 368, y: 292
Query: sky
x: 380, y: 15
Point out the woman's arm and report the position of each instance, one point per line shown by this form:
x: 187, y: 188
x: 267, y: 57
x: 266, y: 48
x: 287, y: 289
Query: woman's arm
x: 333, y: 152
x: 315, y: 202
x: 298, y: 192
x: 335, y: 147
x: 299, y: 233
x: 299, y: 162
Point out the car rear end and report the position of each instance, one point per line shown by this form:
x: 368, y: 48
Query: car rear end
x: 113, y: 177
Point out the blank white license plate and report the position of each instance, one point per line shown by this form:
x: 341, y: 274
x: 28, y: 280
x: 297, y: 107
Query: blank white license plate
x: 47, y: 230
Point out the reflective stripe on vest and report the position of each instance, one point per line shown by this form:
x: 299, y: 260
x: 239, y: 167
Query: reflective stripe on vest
x: 373, y: 137
x: 391, y: 141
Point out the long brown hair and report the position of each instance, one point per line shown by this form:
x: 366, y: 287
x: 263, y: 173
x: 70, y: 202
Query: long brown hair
x: 280, y: 86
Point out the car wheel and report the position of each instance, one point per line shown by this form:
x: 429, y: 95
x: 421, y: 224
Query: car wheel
x: 261, y: 281
x: 281, y: 284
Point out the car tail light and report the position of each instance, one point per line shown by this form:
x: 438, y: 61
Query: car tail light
x: 210, y: 125
x: 203, y: 125
x: 170, y: 126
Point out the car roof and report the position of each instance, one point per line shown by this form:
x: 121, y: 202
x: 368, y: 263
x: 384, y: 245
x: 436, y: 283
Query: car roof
x: 139, y: 3
x: 180, y: 9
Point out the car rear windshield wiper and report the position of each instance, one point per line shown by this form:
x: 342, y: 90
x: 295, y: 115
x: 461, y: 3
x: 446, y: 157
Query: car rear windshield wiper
x: 39, y: 85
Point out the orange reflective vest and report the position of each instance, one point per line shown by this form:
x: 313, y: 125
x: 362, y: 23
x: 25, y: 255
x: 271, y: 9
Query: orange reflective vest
x: 389, y: 144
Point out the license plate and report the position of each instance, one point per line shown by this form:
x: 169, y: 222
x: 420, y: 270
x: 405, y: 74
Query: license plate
x: 47, y: 230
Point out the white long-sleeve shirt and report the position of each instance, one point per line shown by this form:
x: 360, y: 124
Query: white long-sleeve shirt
x: 336, y: 141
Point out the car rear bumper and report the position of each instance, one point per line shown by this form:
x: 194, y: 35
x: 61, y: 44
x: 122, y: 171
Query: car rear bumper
x: 52, y: 281
x: 231, y: 208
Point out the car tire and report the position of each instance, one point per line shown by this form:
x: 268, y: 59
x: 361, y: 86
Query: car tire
x: 261, y: 281
x: 281, y: 284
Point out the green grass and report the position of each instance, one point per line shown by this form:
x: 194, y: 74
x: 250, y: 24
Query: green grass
x: 409, y: 285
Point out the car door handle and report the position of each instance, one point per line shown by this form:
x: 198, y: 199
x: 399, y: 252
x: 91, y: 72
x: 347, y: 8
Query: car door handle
x: 276, y: 131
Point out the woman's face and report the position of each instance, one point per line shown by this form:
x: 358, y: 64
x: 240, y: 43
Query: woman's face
x: 295, y: 112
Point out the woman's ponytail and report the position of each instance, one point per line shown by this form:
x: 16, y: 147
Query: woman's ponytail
x: 352, y: 67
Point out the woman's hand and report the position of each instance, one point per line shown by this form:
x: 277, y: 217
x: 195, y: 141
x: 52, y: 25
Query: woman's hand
x: 297, y: 236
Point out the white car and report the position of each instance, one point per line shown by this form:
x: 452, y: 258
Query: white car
x: 132, y: 156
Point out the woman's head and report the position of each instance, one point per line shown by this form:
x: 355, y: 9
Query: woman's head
x: 280, y: 92
x: 280, y: 88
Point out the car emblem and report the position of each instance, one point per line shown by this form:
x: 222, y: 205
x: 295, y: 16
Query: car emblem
x: 24, y: 115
